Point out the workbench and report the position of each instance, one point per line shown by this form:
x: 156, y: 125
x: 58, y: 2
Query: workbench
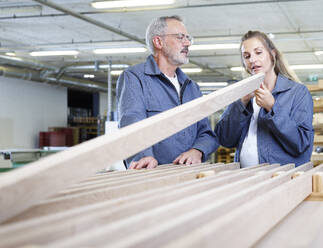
x: 21, y: 157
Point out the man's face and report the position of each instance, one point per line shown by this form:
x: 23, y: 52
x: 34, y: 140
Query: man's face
x: 176, y: 43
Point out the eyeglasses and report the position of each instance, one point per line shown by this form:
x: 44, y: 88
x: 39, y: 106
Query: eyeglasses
x: 181, y: 37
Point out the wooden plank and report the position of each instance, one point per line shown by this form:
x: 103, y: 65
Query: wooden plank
x: 55, y: 205
x: 315, y: 197
x: 317, y: 182
x: 318, y: 139
x: 314, y: 87
x: 255, y: 168
x: 173, y: 219
x: 22, y: 188
x: 150, y: 172
x: 318, y: 126
x: 301, y: 228
x: 151, y: 175
x: 167, y: 166
x: 317, y: 156
x: 64, y: 203
x: 317, y: 187
x: 50, y: 228
x: 262, y: 214
x: 123, y: 174
x: 66, y: 226
x: 189, y: 187
x: 149, y: 179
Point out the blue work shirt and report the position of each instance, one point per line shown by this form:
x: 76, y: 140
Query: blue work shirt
x: 284, y: 135
x: 144, y: 91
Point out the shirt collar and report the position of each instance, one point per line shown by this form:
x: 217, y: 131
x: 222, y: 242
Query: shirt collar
x: 282, y: 84
x: 151, y: 67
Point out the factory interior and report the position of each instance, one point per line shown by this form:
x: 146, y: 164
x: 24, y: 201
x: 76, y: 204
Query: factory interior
x: 59, y: 65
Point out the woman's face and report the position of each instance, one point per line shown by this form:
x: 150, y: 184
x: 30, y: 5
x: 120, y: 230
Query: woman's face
x: 256, y: 57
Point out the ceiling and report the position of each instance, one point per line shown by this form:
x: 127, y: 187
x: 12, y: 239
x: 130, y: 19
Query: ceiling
x: 40, y: 25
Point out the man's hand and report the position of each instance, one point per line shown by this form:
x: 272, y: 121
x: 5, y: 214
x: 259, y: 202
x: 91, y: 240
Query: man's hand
x: 145, y: 162
x: 192, y: 156
x: 264, y: 98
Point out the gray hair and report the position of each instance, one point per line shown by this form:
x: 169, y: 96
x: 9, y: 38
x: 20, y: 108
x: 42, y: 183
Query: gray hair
x: 158, y: 27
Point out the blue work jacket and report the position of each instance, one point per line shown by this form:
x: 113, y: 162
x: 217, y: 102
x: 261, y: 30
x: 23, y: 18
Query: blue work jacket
x: 144, y: 91
x: 284, y: 135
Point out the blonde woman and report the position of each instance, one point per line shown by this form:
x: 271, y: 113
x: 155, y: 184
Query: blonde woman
x: 274, y: 123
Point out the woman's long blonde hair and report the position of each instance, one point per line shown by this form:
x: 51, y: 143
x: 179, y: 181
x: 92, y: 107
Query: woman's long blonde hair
x: 280, y: 64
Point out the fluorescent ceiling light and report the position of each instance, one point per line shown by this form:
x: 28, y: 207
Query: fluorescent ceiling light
x: 237, y: 68
x: 271, y: 35
x: 214, y: 46
x: 212, y: 84
x: 88, y: 76
x: 294, y: 67
x: 191, y: 70
x: 318, y: 53
x: 54, y: 53
x: 116, y: 73
x: 119, y: 66
x: 129, y: 3
x: 97, y: 67
x: 120, y: 50
x: 306, y: 67
x: 186, y: 70
x: 10, y: 54
x: 11, y: 58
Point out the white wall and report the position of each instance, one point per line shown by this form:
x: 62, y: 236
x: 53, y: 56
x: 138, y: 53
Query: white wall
x: 26, y: 108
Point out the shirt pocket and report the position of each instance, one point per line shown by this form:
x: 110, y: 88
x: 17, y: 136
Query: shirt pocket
x: 154, y: 108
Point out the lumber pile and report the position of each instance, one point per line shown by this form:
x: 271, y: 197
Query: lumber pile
x: 175, y: 206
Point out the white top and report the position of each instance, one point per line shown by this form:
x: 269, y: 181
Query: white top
x: 249, y: 151
x: 174, y: 81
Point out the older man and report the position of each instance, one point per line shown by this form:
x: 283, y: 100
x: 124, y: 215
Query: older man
x: 157, y: 85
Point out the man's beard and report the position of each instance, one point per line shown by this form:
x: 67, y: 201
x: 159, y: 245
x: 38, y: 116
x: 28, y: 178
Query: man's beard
x: 176, y: 58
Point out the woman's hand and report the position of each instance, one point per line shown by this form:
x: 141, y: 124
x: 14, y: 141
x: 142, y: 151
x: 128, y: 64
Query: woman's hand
x: 264, y: 98
x: 247, y: 98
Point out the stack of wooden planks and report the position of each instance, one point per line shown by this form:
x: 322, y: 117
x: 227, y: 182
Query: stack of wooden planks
x: 204, y: 205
